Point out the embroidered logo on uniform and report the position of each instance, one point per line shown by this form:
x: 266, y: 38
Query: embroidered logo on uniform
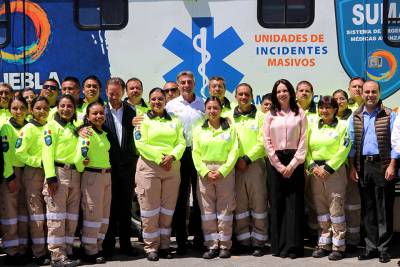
x: 47, y: 132
x: 48, y: 140
x: 138, y: 135
x: 5, y: 146
x: 226, y: 136
x: 18, y: 143
x: 84, y: 151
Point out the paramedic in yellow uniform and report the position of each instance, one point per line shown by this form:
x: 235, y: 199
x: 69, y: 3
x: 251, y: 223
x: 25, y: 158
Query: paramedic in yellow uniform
x: 28, y: 149
x: 92, y: 158
x: 215, y: 152
x: 328, y: 148
x: 161, y: 144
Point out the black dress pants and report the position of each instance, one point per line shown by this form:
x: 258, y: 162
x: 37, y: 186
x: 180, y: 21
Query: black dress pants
x: 377, y: 200
x: 122, y: 180
x: 286, y: 197
x: 188, y: 178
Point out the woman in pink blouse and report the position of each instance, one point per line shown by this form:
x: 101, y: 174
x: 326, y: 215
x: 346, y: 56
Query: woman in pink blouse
x: 285, y: 141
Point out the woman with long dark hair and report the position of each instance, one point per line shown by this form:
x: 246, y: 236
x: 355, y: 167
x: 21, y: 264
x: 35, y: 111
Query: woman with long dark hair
x: 285, y: 129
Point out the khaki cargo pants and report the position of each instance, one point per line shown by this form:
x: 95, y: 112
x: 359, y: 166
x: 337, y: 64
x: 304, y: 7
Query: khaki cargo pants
x: 33, y: 182
x: 217, y: 203
x: 251, y: 205
x: 96, y: 202
x: 14, y: 216
x: 63, y: 212
x: 328, y: 199
x: 157, y: 192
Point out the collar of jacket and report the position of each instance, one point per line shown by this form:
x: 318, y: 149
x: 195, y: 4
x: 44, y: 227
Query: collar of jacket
x: 36, y: 123
x: 224, y: 124
x: 251, y: 113
x: 332, y: 124
x: 14, y: 123
x: 226, y: 103
x: 346, y: 114
x: 165, y: 115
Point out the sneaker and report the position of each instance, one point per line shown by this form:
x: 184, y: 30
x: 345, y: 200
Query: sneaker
x: 152, y: 256
x: 64, y: 263
x: 210, y: 254
x: 320, y: 253
x: 336, y: 255
x: 224, y: 254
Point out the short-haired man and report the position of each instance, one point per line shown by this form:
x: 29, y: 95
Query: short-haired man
x: 51, y: 90
x: 171, y: 90
x: 91, y: 87
x: 70, y: 86
x: 355, y: 88
x: 372, y: 164
x: 134, y: 91
x: 189, y: 108
x: 123, y: 159
x: 217, y: 88
x: 6, y: 92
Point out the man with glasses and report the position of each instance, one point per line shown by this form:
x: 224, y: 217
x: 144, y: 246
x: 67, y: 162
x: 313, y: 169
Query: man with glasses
x: 50, y: 90
x: 171, y: 90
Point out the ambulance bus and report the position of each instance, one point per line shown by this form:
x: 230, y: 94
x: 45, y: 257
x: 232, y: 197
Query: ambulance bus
x: 256, y: 41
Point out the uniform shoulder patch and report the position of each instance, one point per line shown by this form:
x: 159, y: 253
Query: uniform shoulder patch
x: 138, y: 135
x: 18, y: 143
x: 48, y: 141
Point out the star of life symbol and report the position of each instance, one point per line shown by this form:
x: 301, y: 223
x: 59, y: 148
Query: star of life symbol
x: 204, y: 54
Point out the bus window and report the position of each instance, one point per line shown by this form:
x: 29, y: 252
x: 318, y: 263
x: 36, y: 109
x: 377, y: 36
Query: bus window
x: 285, y: 13
x: 391, y: 23
x: 101, y: 14
x: 5, y: 31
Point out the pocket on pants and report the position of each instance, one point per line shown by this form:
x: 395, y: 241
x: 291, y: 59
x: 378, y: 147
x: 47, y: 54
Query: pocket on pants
x: 140, y: 193
x: 91, y: 179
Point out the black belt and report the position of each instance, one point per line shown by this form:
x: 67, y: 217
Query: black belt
x: 65, y: 166
x: 320, y: 162
x: 98, y: 170
x: 286, y: 151
x: 372, y: 158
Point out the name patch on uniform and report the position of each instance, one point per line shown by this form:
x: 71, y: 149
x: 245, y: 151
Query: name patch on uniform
x: 138, y: 135
x: 84, y: 151
x: 18, y: 143
x: 48, y: 140
x: 6, y: 146
x: 254, y: 127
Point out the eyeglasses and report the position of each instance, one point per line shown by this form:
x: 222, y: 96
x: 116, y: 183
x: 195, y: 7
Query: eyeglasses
x: 173, y: 90
x: 51, y: 87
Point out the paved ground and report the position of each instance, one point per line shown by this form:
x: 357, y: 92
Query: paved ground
x: 195, y: 260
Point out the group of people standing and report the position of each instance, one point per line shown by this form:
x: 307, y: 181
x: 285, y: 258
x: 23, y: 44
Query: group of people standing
x: 64, y: 155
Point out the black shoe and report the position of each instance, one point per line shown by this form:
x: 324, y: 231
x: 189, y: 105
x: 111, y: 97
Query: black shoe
x: 384, y: 257
x: 13, y: 260
x: 224, y: 254
x: 165, y: 253
x: 336, y: 255
x: 42, y: 260
x: 367, y: 255
x: 210, y: 254
x: 351, y: 248
x: 152, y: 256
x: 293, y: 255
x: 129, y: 251
x: 283, y: 254
x: 258, y: 252
x: 181, y: 250
x: 320, y: 253
x: 94, y: 259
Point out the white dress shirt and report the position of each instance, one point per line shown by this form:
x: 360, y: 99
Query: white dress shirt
x: 189, y: 113
x: 117, y: 117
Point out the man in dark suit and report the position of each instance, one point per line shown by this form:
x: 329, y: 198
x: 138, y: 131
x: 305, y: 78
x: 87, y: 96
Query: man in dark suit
x: 123, y: 159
